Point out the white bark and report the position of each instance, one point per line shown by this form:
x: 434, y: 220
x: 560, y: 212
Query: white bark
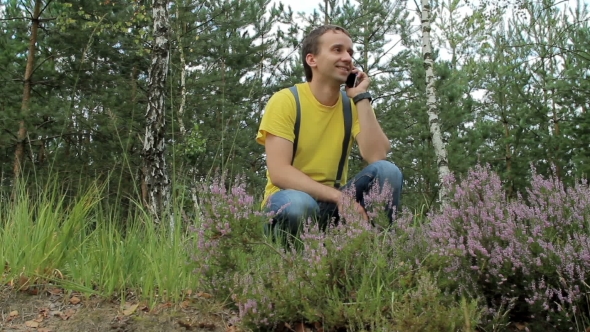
x: 154, y: 146
x: 182, y: 76
x: 439, y: 145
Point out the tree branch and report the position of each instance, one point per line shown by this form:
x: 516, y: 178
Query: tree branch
x: 45, y: 7
x: 42, y: 62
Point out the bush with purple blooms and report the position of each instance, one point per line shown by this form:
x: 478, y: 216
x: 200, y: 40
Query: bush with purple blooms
x: 230, y: 226
x: 529, y: 255
x: 351, y: 276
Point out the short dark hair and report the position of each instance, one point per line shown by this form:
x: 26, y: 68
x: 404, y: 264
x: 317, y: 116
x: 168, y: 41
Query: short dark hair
x: 311, y: 44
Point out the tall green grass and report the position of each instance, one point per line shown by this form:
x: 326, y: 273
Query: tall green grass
x: 80, y: 244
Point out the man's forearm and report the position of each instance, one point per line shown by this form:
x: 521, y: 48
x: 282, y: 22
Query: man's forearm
x: 373, y: 142
x: 290, y: 177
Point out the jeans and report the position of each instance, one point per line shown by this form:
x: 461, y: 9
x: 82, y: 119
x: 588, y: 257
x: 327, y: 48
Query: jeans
x: 298, y: 206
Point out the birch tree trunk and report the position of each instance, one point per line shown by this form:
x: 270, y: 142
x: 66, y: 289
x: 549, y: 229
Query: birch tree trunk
x: 181, y: 31
x: 157, y: 182
x: 439, y: 145
x: 19, y: 155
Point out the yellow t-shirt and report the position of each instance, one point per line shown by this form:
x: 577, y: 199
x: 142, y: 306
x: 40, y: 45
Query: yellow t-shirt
x: 320, y: 135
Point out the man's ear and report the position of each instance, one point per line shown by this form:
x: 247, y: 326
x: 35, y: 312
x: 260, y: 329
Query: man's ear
x: 310, y: 59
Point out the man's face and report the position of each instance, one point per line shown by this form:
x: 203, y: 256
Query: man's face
x: 334, y: 60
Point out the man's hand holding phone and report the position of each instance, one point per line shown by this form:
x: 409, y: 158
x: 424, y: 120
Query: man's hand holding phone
x: 357, y: 82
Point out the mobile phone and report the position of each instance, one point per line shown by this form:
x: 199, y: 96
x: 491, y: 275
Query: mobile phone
x: 351, y: 80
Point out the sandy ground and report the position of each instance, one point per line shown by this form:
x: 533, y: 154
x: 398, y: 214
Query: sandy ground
x: 52, y: 310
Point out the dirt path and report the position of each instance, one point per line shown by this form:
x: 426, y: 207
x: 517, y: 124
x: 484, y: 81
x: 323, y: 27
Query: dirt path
x: 53, y: 311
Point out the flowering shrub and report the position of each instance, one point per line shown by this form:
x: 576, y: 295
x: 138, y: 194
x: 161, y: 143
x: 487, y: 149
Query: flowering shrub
x: 230, y: 220
x: 533, y: 251
x: 345, y: 275
x: 312, y: 280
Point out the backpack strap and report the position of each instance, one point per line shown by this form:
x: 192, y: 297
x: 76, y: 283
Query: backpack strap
x: 297, y: 121
x: 347, y: 110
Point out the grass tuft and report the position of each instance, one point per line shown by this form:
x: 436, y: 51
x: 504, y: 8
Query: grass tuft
x: 81, y: 246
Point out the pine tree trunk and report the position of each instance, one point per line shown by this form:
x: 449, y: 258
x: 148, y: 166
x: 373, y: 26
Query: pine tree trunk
x: 157, y: 182
x: 19, y: 156
x: 432, y: 108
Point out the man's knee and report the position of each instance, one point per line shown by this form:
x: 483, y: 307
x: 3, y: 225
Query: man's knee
x: 389, y: 171
x: 292, y: 208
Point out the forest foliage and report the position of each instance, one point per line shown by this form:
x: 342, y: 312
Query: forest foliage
x: 511, y: 84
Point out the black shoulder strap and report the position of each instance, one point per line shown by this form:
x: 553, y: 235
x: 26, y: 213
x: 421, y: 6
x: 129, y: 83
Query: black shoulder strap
x: 297, y: 121
x: 347, y: 109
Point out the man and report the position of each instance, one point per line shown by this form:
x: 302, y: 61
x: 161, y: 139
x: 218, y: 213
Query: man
x: 303, y: 186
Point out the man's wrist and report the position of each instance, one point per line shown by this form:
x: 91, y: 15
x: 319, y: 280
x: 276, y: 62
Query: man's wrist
x: 336, y: 195
x: 362, y: 96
